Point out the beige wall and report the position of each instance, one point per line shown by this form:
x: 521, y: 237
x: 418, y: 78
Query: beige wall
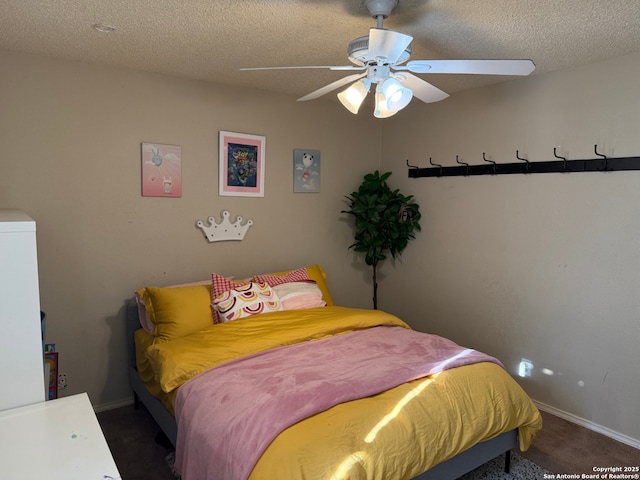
x: 543, y: 267
x: 70, y: 136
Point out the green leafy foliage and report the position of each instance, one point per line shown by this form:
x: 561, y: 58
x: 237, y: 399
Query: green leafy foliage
x: 384, y: 221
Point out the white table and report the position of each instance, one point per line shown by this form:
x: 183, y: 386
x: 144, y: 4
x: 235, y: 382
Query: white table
x: 59, y: 439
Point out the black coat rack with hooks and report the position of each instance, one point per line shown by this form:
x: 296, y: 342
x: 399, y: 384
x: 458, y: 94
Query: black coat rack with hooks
x: 524, y: 166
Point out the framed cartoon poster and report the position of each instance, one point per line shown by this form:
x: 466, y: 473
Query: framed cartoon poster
x: 161, y: 170
x: 306, y: 171
x: 241, y: 165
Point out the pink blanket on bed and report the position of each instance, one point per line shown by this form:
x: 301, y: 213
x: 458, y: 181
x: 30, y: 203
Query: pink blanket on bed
x: 228, y: 415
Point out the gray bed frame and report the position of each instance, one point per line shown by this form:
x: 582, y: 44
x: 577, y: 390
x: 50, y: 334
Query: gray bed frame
x: 451, y: 469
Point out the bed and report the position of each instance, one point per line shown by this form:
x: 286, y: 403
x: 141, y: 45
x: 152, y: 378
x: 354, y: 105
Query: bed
x: 321, y: 391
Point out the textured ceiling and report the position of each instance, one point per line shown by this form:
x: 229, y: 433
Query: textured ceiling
x: 211, y: 40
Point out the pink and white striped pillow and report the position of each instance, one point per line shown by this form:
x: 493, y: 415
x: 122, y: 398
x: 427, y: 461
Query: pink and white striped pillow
x: 299, y: 295
x: 245, y: 300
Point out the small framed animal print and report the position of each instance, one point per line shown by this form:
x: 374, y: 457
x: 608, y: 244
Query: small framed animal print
x: 306, y: 171
x: 161, y: 170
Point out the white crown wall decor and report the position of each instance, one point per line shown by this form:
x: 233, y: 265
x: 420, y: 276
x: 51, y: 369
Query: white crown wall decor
x: 225, y: 230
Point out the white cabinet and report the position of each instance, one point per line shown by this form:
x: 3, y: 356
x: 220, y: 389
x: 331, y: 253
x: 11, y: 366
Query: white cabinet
x: 21, y: 364
x: 57, y: 440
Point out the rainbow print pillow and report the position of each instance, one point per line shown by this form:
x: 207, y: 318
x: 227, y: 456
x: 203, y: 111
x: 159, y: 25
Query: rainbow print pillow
x: 245, y: 300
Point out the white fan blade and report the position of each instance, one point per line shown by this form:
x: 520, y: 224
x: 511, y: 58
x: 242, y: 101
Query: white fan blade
x: 475, y: 67
x: 329, y: 67
x: 387, y: 44
x: 332, y: 86
x: 421, y: 89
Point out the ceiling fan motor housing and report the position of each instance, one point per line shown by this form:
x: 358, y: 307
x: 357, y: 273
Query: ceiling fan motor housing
x: 380, y: 7
x: 358, y: 52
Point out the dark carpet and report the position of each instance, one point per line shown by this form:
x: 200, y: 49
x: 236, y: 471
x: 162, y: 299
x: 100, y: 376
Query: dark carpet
x: 521, y: 469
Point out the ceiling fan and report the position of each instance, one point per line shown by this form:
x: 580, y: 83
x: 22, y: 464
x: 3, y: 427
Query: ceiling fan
x: 381, y: 58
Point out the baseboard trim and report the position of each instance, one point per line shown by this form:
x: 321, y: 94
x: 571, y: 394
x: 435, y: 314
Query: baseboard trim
x: 111, y: 405
x: 588, y: 424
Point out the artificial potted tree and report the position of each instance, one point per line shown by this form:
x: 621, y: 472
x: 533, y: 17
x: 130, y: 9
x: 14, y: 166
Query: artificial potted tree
x: 384, y: 222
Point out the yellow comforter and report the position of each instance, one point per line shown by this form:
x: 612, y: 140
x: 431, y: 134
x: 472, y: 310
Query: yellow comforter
x: 397, y: 434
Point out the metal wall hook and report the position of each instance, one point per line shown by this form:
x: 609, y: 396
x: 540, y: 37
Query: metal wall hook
x: 606, y: 161
x: 595, y: 149
x: 523, y: 160
x: 462, y: 163
x: 489, y: 161
x: 411, y: 166
x: 436, y: 165
x: 564, y: 159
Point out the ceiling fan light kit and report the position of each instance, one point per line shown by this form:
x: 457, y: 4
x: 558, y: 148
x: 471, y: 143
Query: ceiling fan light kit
x: 381, y: 110
x: 391, y: 97
x: 396, y: 95
x: 354, y: 95
x: 382, y: 54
